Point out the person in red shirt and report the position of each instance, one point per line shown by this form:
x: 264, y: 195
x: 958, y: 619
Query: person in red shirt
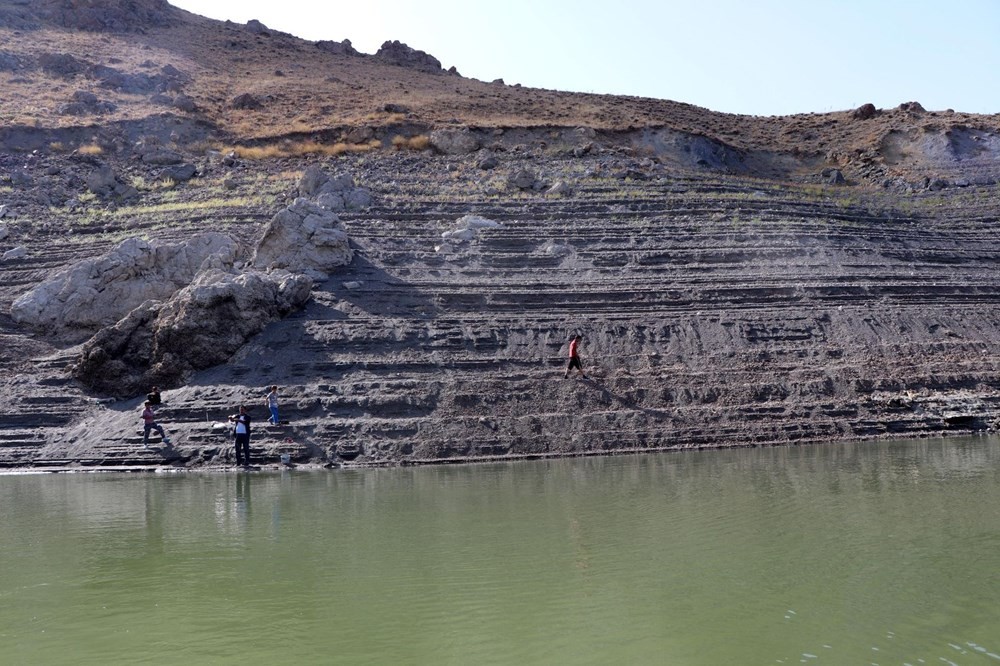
x: 574, y: 356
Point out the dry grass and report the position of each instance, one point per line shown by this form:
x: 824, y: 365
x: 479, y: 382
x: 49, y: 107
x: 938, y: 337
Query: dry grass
x: 420, y: 142
x: 300, y: 149
x: 90, y: 149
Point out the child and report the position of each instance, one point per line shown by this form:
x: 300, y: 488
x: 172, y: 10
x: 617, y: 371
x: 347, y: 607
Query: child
x: 272, y: 404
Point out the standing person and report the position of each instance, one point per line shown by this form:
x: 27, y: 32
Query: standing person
x: 574, y: 356
x: 241, y: 436
x: 149, y: 423
x: 272, y: 404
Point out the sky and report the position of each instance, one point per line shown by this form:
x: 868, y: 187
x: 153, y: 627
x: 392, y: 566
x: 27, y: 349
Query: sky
x: 755, y: 57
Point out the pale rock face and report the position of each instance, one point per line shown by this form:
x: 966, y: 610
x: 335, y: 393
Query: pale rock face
x: 467, y: 228
x: 334, y: 193
x: 304, y: 238
x: 98, y: 292
x: 203, y: 324
x: 17, y: 253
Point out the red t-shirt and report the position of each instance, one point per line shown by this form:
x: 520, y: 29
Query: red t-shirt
x: 572, y: 347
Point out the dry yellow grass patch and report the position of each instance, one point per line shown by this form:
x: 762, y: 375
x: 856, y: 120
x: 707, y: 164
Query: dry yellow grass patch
x: 301, y: 149
x: 420, y: 142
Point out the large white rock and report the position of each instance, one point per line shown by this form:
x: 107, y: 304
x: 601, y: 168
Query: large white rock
x: 98, y: 292
x: 467, y: 228
x: 304, y: 238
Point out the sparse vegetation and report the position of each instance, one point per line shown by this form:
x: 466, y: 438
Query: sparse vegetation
x: 90, y: 149
x: 420, y: 142
x: 300, y: 149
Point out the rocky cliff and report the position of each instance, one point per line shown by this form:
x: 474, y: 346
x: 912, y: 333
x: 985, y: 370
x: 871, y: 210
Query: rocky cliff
x: 737, y: 281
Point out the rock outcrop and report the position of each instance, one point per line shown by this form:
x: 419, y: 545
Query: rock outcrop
x: 98, y: 292
x: 334, y: 193
x: 454, y: 141
x: 305, y: 237
x: 401, y: 55
x: 161, y: 343
x: 91, y: 15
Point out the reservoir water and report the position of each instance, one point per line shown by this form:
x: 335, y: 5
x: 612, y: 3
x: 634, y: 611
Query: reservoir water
x: 876, y: 553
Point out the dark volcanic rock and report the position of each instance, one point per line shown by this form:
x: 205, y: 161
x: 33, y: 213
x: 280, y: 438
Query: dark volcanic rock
x: 104, y: 15
x: 246, y: 102
x: 865, y: 112
x: 397, y: 53
x: 337, y: 48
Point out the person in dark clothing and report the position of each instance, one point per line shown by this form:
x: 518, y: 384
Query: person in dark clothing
x: 574, y: 356
x: 153, y: 396
x: 241, y: 436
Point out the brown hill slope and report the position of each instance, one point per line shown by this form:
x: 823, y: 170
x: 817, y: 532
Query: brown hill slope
x: 237, y: 83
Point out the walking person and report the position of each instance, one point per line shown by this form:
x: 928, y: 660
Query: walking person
x: 149, y: 423
x: 272, y: 403
x: 241, y: 436
x: 574, y: 357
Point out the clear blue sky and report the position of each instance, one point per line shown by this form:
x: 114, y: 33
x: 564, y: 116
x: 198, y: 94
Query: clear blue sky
x: 759, y: 57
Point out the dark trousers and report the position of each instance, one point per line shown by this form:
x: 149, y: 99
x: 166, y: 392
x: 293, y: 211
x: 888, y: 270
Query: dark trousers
x: 574, y: 362
x: 242, y: 448
x: 151, y: 426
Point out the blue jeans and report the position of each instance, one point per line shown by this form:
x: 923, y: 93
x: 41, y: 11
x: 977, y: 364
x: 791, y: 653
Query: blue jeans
x: 152, y: 426
x: 274, y: 415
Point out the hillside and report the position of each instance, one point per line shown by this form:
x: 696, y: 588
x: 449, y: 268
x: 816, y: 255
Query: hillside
x: 738, y: 280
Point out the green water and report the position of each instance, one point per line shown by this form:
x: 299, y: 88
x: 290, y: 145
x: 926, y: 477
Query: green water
x: 849, y: 554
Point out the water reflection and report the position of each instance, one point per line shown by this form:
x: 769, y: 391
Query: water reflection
x: 855, y: 553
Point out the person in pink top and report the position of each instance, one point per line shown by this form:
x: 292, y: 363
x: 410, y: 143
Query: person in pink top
x: 574, y: 356
x: 149, y: 423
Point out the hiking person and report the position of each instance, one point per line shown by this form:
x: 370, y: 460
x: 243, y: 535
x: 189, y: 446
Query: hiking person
x: 272, y: 403
x: 574, y: 356
x: 149, y: 423
x: 153, y: 396
x: 241, y: 436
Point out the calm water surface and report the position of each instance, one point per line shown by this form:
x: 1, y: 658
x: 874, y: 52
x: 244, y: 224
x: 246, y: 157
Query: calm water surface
x: 849, y: 554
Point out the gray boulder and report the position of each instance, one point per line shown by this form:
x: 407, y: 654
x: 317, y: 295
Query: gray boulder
x: 560, y: 189
x: 21, y: 178
x: 334, y: 193
x: 522, y: 180
x: 162, y: 157
x: 102, y: 180
x: 305, y: 237
x: 246, y: 102
x: 258, y: 28
x: 399, y: 54
x: 180, y: 173
x: 454, y: 141
x: 19, y: 252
